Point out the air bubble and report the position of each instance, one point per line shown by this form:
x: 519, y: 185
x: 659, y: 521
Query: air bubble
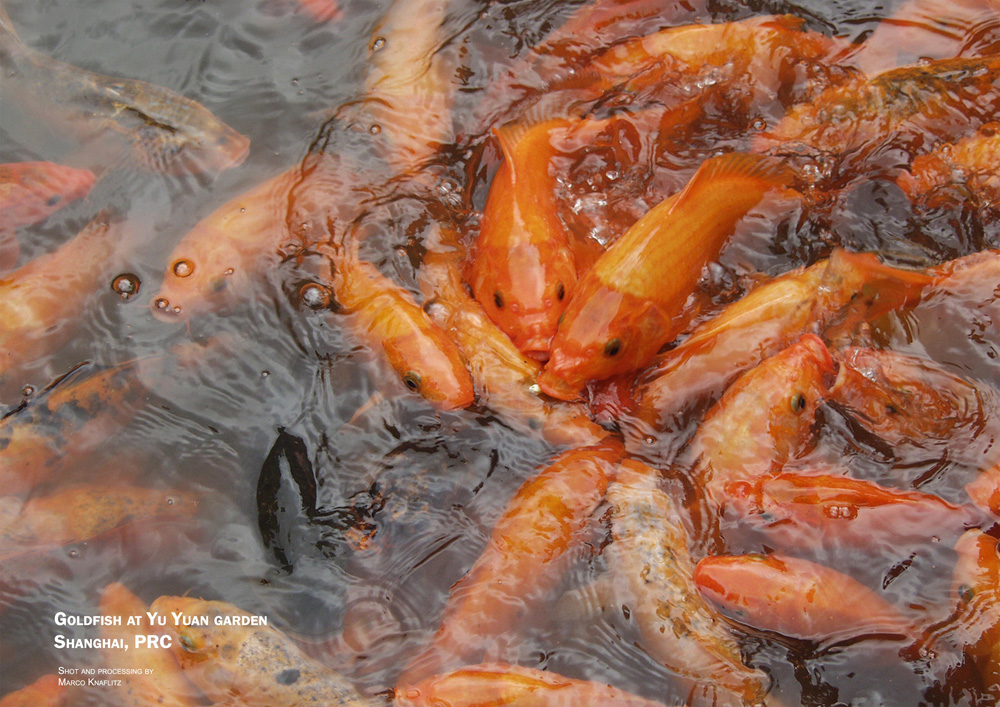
x: 28, y: 390
x: 183, y: 268
x: 315, y: 296
x: 161, y: 303
x: 375, y: 129
x: 126, y: 285
x: 378, y: 44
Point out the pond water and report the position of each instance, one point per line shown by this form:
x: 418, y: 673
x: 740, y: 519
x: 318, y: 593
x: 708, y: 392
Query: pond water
x: 330, y: 498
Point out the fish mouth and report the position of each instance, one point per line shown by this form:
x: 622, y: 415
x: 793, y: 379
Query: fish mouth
x: 556, y: 387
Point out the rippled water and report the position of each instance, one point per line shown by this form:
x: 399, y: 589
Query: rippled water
x: 405, y: 496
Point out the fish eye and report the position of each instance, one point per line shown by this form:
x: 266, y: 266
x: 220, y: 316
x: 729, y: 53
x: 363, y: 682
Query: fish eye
x: 183, y: 268
x: 412, y: 380
x: 219, y: 284
x: 560, y: 291
x: 966, y: 593
x: 188, y: 644
x: 498, y: 300
x: 798, y: 402
x: 613, y: 347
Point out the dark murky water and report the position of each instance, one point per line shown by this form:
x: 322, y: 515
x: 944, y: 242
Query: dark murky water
x: 384, y: 502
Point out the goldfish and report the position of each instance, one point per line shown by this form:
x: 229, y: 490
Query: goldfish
x: 520, y: 565
x: 44, y: 692
x: 505, y: 379
x: 239, y: 664
x: 797, y: 599
x: 40, y: 300
x: 763, y: 420
x: 166, y: 131
x: 321, y: 10
x: 495, y: 684
x: 650, y: 556
x: 984, y: 490
x: 624, y: 310
x: 389, y: 320
x: 965, y: 171
x: 764, y: 321
x: 910, y: 107
x: 526, y: 263
x: 158, y: 678
x: 29, y: 192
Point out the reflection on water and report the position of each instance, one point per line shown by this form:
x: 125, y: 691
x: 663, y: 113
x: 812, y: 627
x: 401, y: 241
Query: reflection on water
x: 331, y: 498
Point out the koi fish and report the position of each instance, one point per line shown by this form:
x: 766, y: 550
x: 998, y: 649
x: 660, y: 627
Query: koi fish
x: 390, y: 321
x: 158, y: 679
x: 679, y: 629
x: 29, y: 192
x: 321, y: 10
x: 966, y: 171
x: 44, y: 692
x: 624, y: 309
x: 514, y: 685
x: 797, y: 599
x: 763, y: 419
x: 525, y: 264
x: 984, y: 490
x: 167, y: 132
x: 520, y: 565
x: 910, y: 106
x: 39, y: 299
x: 504, y: 378
x: 799, y: 511
x: 247, y: 665
x: 766, y: 320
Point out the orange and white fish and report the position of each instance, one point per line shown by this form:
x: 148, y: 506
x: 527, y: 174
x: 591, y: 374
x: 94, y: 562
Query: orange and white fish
x: 520, y: 566
x: 797, y: 599
x: 984, y: 490
x: 625, y: 309
x: 763, y: 420
x: 166, y: 131
x: 389, y: 320
x: 494, y: 684
x: 965, y: 171
x: 29, y: 192
x: 236, y: 661
x: 650, y: 559
x: 150, y: 675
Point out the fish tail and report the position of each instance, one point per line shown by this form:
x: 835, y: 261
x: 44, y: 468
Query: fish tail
x: 759, y: 173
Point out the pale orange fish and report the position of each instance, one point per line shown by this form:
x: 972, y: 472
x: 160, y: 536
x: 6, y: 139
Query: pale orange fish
x: 242, y: 664
x: 389, y: 320
x: 504, y: 378
x: 158, y: 678
x: 321, y: 10
x: 766, y: 320
x: 964, y: 172
x: 624, y: 309
x: 911, y: 109
x: 984, y: 490
x: 496, y: 684
x: 649, y: 558
x: 763, y: 420
x: 42, y: 299
x: 797, y: 599
x: 44, y: 692
x: 520, y: 566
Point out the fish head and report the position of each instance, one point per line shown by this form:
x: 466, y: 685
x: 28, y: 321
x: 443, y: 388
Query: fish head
x: 525, y: 292
x: 192, y: 620
x: 601, y: 335
x: 203, y: 274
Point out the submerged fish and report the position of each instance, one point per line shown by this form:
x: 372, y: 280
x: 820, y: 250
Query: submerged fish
x: 46, y: 691
x: 964, y: 171
x: 167, y: 132
x: 650, y: 556
x: 237, y: 663
x: 625, y: 308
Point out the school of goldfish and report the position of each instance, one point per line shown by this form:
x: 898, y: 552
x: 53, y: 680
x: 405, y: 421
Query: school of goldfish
x: 717, y: 291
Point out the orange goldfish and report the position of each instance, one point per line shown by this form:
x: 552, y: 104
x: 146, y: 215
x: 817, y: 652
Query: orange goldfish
x: 159, y: 679
x: 504, y: 378
x: 625, y: 309
x: 966, y: 170
x: 390, y: 321
x: 525, y: 264
x: 242, y: 663
x: 44, y: 692
x: 496, y: 684
x: 912, y: 106
x: 763, y: 419
x: 797, y: 599
x: 650, y: 555
x: 167, y: 132
x: 984, y: 490
x: 29, y: 192
x: 39, y: 300
x: 520, y: 565
x: 766, y: 320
